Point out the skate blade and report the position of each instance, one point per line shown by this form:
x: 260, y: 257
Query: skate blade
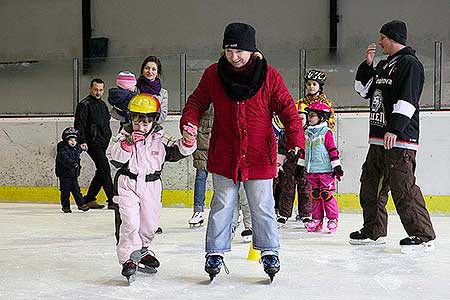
x: 368, y: 242
x: 417, y: 249
x: 147, y: 270
x: 195, y: 225
x: 131, y: 279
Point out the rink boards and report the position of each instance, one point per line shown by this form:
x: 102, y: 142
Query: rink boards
x: 29, y: 148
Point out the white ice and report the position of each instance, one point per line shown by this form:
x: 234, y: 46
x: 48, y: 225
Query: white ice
x: 45, y: 254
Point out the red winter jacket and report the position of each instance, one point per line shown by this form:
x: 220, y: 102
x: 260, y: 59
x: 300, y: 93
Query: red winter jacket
x: 242, y: 145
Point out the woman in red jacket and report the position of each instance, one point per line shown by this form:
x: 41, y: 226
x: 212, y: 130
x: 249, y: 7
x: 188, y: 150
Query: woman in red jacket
x: 245, y: 92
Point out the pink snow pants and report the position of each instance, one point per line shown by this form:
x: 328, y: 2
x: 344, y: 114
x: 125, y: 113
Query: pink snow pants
x: 323, y: 181
x: 140, y: 207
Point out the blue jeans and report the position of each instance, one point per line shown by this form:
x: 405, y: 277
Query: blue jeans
x: 199, y: 189
x: 260, y: 199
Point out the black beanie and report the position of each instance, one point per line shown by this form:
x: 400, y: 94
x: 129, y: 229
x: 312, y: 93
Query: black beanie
x: 239, y: 36
x: 395, y: 30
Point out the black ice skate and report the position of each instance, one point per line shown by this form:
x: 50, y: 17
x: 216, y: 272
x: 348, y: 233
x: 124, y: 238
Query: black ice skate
x: 271, y: 264
x: 129, y: 271
x: 281, y: 221
x: 197, y: 219
x: 148, y: 262
x: 246, y: 235
x: 363, y: 237
x: 213, y: 264
x: 414, y: 244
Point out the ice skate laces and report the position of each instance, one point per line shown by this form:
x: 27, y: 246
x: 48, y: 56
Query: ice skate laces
x: 216, y: 261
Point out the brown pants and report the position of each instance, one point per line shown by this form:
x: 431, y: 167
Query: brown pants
x: 393, y: 170
x: 285, y: 194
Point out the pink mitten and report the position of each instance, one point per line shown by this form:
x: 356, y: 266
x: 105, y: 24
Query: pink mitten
x: 189, y: 135
x: 126, y: 146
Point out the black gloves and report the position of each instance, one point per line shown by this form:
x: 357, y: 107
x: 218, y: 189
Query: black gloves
x: 338, y: 172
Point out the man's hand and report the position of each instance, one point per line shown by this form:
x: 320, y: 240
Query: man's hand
x: 84, y: 146
x: 370, y: 53
x: 389, y: 140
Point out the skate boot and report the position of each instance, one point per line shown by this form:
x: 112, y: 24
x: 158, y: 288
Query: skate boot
x: 364, y: 237
x: 247, y: 235
x: 83, y: 207
x: 271, y: 263
x: 148, y: 261
x: 213, y: 264
x: 66, y: 210
x: 197, y: 219
x: 332, y: 225
x: 281, y: 221
x: 314, y: 225
x: 414, y: 244
x: 129, y: 271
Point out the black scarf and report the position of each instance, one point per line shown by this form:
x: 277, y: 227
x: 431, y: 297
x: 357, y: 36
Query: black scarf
x: 241, y: 84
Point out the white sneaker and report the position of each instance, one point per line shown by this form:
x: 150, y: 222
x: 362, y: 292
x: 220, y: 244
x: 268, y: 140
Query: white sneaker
x: 197, y: 219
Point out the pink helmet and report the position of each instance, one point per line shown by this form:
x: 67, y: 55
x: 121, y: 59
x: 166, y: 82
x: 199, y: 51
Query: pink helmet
x: 321, y: 108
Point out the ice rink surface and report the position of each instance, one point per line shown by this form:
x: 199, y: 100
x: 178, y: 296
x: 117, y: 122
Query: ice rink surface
x: 45, y: 254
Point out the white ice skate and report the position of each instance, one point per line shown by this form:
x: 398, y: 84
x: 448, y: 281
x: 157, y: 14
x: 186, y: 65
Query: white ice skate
x: 247, y: 235
x: 197, y: 219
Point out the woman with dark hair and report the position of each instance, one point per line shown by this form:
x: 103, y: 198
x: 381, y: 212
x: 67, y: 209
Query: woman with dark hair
x: 150, y: 83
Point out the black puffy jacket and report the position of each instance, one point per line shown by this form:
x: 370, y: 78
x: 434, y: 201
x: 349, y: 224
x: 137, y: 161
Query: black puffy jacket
x: 67, y: 160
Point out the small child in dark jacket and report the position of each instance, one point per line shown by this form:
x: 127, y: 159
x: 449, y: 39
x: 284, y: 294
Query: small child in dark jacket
x: 68, y: 169
x: 120, y: 96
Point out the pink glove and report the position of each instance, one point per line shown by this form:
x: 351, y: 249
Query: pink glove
x: 126, y: 146
x: 137, y: 136
x: 189, y: 135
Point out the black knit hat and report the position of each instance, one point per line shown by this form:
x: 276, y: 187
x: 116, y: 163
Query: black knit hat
x: 395, y: 30
x: 239, y: 36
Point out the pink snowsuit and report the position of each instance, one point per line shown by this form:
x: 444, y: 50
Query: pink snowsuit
x: 139, y: 187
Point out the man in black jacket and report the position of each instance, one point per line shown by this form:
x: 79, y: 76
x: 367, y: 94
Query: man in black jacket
x: 394, y: 87
x: 92, y: 121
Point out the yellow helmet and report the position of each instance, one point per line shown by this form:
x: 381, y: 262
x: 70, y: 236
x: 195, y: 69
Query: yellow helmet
x: 144, y: 104
x: 301, y: 106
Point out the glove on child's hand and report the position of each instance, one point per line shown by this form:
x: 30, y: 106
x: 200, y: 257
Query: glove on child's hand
x: 189, y: 135
x: 281, y: 159
x: 126, y: 146
x: 338, y: 172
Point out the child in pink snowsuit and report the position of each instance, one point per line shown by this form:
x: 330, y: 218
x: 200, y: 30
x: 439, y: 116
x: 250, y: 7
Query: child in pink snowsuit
x: 143, y: 148
x: 322, y: 165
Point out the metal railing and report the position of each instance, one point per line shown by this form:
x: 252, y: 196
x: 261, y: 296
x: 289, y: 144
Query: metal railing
x: 54, y: 87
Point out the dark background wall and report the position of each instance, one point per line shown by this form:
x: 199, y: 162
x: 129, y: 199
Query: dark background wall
x: 51, y: 32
